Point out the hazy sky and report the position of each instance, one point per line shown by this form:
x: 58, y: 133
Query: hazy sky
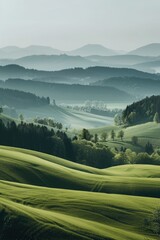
x: 68, y: 24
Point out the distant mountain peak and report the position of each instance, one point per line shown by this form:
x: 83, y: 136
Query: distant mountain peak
x: 93, y: 45
x: 152, y: 49
x: 93, y: 49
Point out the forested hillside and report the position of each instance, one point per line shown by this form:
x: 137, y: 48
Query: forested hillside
x: 146, y: 110
x: 20, y: 99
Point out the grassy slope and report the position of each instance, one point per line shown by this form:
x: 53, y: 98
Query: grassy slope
x: 68, y: 117
x: 145, y: 132
x: 24, y: 168
x: 39, y: 198
x: 66, y: 214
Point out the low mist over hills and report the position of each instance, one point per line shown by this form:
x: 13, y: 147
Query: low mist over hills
x: 139, y: 87
x: 76, y: 75
x: 63, y: 61
x: 49, y: 62
x: 152, y: 66
x: 69, y: 93
x: 119, y: 60
x: 146, y: 58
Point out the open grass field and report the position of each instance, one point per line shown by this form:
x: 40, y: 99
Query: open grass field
x: 45, y: 197
x: 145, y: 132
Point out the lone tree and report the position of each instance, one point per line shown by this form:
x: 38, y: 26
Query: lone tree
x: 149, y: 148
x: 121, y: 134
x: 86, y: 134
x: 156, y: 118
x: 1, y: 110
x: 96, y: 138
x: 21, y: 117
x: 104, y: 136
x: 134, y: 140
x: 113, y: 134
x: 48, y: 100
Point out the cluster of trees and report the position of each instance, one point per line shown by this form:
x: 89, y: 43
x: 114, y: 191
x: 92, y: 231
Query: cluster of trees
x: 20, y: 99
x: 100, y: 156
x: 36, y: 137
x: 127, y: 156
x: 40, y: 138
x: 146, y: 110
x: 95, y: 155
x: 48, y: 122
x: 85, y: 134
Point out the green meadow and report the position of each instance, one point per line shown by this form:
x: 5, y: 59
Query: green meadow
x: 45, y: 197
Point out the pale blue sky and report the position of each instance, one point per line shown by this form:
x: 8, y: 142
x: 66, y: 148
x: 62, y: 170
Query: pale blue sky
x: 68, y: 24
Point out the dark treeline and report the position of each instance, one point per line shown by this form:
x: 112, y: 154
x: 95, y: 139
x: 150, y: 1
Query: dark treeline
x: 142, y: 111
x: 48, y: 122
x: 20, y: 99
x: 40, y: 138
x: 35, y: 137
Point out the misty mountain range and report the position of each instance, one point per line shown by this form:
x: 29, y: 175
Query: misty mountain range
x: 70, y: 85
x: 59, y: 62
x: 146, y: 58
x: 69, y: 76
x: 88, y: 73
x: 89, y: 49
x: 151, y: 50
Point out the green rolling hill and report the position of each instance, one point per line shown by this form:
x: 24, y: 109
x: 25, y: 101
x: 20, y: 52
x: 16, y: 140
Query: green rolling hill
x: 45, y: 197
